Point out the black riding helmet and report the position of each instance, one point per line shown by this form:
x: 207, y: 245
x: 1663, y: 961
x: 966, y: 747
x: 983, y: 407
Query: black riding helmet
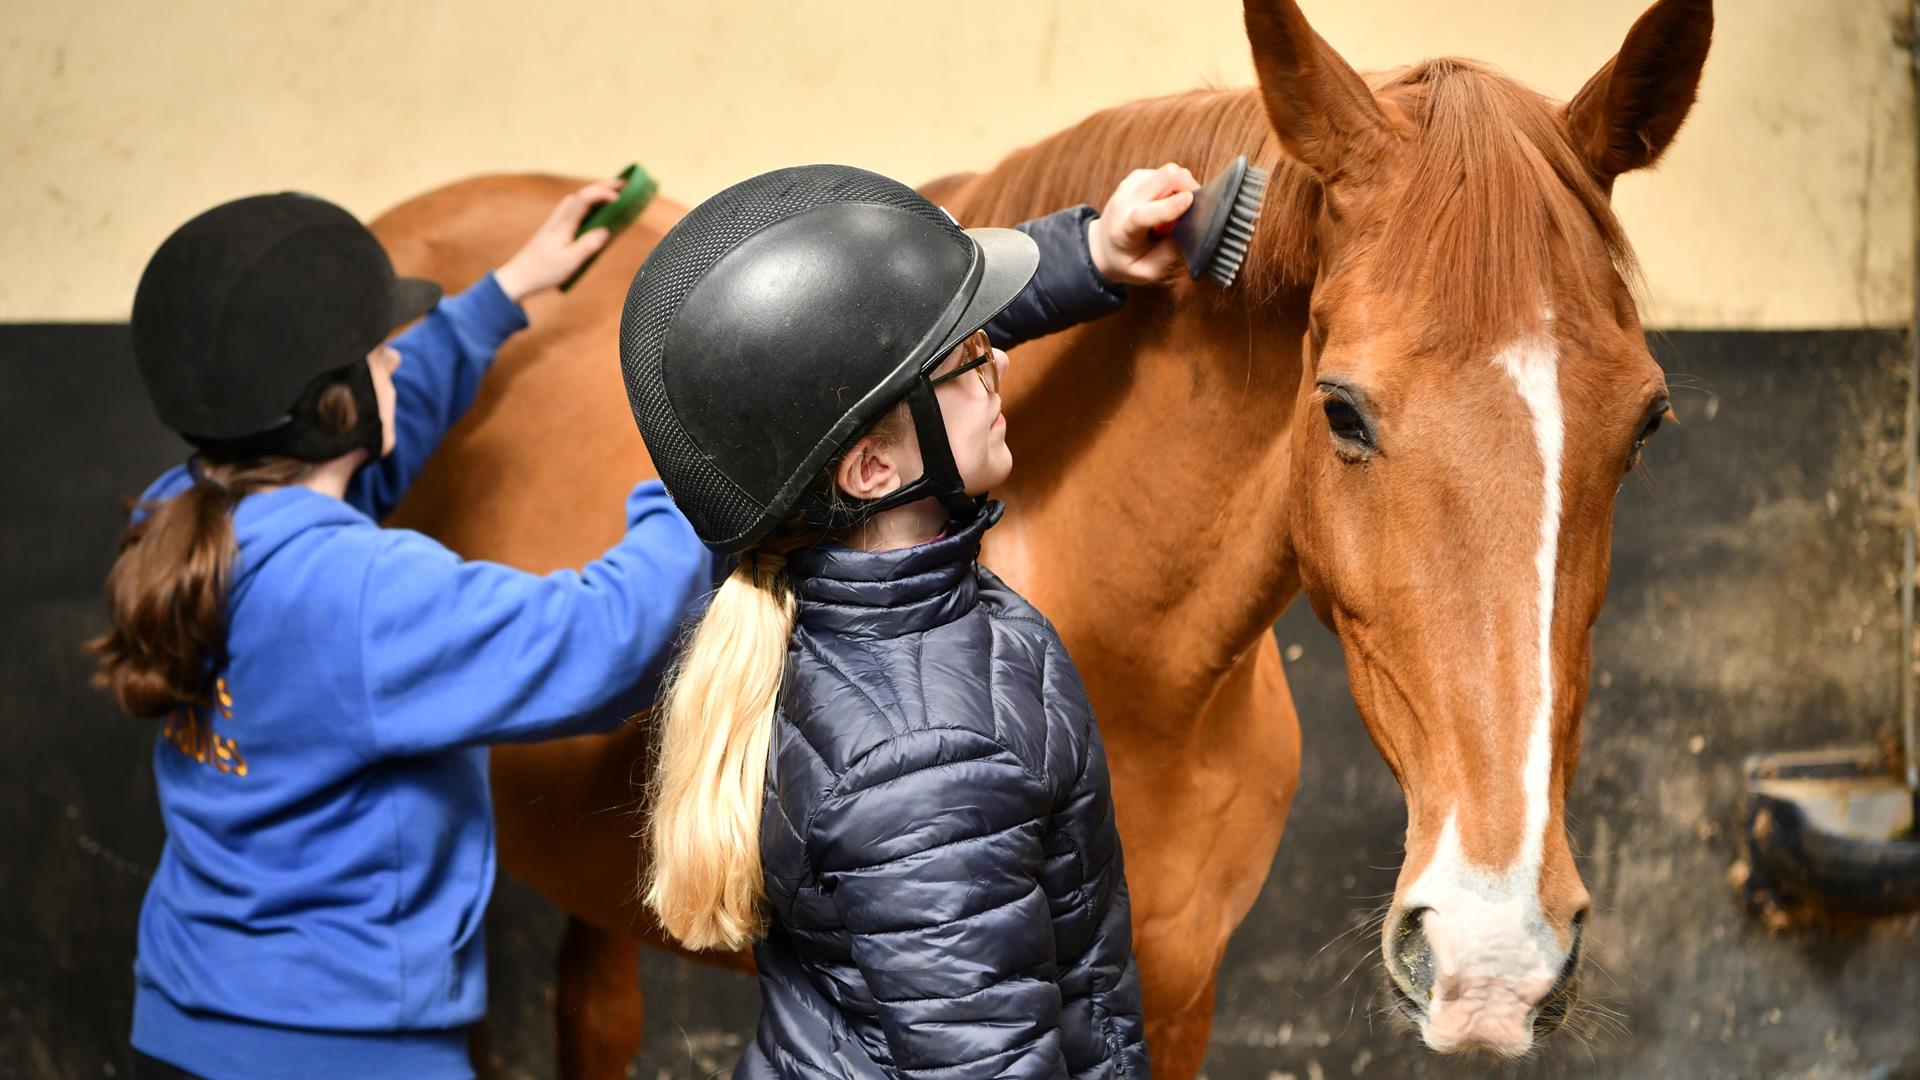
x: 249, y: 312
x: 780, y: 319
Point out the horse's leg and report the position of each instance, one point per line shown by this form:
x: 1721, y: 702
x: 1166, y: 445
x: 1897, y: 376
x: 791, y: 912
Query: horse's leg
x: 1178, y: 1043
x: 599, y: 1013
x: 1199, y: 845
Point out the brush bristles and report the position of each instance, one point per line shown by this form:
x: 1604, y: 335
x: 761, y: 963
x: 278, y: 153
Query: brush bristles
x: 1238, y: 235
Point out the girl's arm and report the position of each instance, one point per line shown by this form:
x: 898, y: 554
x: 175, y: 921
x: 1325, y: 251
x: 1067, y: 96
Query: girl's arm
x: 1066, y: 289
x: 456, y: 653
x: 1088, y: 258
x: 931, y: 847
x: 444, y: 355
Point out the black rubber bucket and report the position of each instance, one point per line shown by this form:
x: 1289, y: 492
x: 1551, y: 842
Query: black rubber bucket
x: 1833, y: 828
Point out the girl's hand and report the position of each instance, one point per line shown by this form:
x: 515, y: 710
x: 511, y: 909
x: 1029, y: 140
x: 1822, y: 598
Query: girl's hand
x: 551, y: 254
x: 1125, y: 247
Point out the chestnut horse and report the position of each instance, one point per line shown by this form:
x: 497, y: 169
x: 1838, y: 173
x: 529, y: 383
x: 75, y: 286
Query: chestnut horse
x: 1416, y: 406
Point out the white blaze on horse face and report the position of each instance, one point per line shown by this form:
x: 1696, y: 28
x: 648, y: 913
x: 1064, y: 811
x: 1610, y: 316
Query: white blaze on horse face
x: 1494, y: 956
x: 1534, y: 366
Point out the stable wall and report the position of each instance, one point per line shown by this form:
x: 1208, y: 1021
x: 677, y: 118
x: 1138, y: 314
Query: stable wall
x: 1787, y: 202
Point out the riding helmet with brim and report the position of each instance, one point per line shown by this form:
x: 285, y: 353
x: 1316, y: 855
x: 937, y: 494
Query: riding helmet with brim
x: 248, y: 312
x: 780, y: 319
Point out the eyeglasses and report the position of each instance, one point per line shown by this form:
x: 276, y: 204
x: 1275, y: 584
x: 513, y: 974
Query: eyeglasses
x: 976, y: 355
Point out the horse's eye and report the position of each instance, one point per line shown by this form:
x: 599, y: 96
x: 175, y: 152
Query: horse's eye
x: 1651, y: 424
x: 1346, y: 423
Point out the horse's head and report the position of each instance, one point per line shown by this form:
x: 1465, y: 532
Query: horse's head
x: 1476, y: 386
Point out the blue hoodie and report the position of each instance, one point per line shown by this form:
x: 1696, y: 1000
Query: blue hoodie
x: 318, y: 907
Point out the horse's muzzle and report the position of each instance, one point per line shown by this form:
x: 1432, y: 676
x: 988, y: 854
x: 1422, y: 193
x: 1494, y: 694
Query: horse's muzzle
x: 1412, y: 973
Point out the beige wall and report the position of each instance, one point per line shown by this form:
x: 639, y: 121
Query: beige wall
x: 1788, y: 202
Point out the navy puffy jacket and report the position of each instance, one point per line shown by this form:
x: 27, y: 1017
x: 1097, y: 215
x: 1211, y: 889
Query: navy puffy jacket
x: 945, y: 891
x: 944, y: 880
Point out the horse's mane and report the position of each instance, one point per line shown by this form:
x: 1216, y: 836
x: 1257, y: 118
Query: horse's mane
x: 1201, y: 129
x: 1496, y: 191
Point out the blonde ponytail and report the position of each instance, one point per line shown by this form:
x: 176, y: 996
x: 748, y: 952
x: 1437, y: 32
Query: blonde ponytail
x: 706, y: 886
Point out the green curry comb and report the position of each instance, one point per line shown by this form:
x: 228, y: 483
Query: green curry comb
x: 618, y: 213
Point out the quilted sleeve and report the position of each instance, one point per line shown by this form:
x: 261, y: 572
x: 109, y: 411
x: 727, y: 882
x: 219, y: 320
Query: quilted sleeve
x: 1066, y: 289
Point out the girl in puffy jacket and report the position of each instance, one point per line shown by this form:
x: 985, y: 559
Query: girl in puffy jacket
x: 326, y: 689
x: 878, y: 765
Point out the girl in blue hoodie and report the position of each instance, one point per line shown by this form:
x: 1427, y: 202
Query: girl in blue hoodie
x: 326, y: 689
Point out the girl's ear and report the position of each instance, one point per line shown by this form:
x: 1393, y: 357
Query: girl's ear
x: 868, y: 470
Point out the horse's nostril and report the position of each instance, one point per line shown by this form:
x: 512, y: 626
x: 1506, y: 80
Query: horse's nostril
x: 1412, y: 954
x: 1553, y: 1010
x: 1575, y: 937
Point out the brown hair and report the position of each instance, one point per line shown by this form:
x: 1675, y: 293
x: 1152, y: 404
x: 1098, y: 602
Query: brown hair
x: 167, y: 591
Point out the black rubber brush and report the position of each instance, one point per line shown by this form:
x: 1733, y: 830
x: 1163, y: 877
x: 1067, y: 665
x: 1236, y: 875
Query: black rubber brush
x: 1214, y: 232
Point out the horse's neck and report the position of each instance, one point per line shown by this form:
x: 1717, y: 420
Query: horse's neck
x: 1148, y: 507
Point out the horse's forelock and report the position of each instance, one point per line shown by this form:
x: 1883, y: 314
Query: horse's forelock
x: 1495, y: 200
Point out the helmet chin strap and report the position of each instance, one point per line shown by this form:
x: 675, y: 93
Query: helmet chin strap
x: 940, y: 480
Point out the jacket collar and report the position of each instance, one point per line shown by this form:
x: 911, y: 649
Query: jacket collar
x: 888, y: 594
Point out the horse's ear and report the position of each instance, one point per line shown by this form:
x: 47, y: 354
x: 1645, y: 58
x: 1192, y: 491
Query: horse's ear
x: 1319, y: 106
x: 1630, y: 110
